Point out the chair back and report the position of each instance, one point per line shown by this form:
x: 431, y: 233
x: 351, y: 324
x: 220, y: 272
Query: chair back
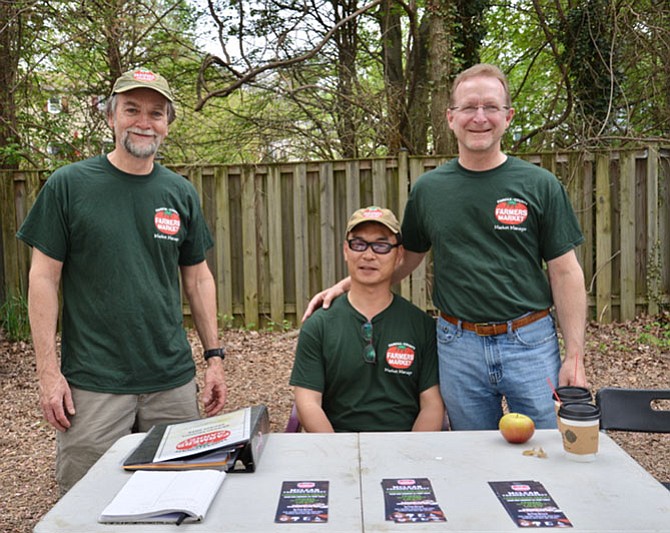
x: 293, y: 425
x: 633, y: 410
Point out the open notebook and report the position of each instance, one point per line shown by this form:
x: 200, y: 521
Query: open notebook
x: 164, y: 497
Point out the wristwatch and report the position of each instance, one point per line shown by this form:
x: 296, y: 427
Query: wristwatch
x: 215, y: 352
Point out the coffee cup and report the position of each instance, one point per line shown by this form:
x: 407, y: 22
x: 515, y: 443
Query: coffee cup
x: 570, y: 394
x: 579, y: 424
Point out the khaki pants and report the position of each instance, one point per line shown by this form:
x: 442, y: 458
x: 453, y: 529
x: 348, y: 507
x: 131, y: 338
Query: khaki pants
x: 102, y: 418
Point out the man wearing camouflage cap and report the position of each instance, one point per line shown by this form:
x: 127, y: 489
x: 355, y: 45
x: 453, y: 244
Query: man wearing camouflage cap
x: 370, y: 362
x: 116, y: 231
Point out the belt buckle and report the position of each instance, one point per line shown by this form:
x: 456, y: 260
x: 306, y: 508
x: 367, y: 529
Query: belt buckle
x: 482, y: 325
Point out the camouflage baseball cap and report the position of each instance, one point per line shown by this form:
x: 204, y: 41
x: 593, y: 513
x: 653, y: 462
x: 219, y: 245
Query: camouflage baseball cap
x: 142, y: 78
x: 374, y: 214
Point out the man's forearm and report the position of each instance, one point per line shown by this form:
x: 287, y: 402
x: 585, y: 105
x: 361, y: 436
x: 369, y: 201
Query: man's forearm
x: 200, y: 290
x: 567, y: 287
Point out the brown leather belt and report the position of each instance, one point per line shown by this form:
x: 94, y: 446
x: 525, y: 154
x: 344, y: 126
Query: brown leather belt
x: 486, y: 329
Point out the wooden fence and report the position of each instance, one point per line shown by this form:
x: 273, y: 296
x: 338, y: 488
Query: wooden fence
x: 279, y: 228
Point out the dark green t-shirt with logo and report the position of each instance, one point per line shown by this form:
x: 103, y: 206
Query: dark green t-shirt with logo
x: 121, y: 238
x: 490, y: 233
x: 360, y: 396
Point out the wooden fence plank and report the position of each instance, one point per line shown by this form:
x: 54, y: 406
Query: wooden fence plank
x: 327, y: 210
x: 627, y: 236
x: 403, y: 193
x: 249, y: 247
x: 574, y: 184
x: 418, y: 277
x: 8, y: 224
x: 653, y: 278
x: 588, y: 204
x: 379, y: 188
x: 222, y: 239
x: 664, y: 227
x: 603, y: 272
x: 300, y: 229
x: 352, y: 176
x: 276, y: 259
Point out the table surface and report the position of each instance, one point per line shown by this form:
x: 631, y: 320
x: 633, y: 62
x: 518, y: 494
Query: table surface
x: 611, y: 494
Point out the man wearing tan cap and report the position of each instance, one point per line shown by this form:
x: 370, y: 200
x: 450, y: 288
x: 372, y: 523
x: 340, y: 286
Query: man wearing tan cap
x: 370, y: 362
x: 116, y: 231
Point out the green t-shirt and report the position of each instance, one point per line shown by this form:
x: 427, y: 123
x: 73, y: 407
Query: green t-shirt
x: 490, y: 232
x: 121, y: 239
x: 360, y: 396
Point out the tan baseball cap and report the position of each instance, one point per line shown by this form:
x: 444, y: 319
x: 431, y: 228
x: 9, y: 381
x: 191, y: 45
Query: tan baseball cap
x: 374, y: 214
x: 142, y: 78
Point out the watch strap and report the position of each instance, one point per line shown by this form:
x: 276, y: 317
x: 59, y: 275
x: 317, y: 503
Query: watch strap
x: 215, y: 352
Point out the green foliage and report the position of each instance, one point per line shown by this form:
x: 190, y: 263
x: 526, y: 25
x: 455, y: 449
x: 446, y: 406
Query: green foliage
x: 286, y: 325
x: 588, y: 52
x: 227, y: 321
x: 470, y: 30
x: 657, y: 333
x: 587, y: 71
x: 14, y: 319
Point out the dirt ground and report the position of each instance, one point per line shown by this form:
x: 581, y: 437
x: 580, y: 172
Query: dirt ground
x: 632, y: 354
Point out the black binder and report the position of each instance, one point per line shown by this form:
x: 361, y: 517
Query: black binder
x: 236, y: 457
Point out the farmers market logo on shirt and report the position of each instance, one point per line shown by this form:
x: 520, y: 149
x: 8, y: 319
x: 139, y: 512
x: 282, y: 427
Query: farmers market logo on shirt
x: 400, y: 356
x: 510, y: 213
x: 167, y: 222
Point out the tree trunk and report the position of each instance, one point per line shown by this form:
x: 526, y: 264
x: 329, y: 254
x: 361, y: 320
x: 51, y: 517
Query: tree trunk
x: 346, y: 40
x: 394, y: 79
x: 418, y: 92
x: 440, y: 73
x: 11, y: 19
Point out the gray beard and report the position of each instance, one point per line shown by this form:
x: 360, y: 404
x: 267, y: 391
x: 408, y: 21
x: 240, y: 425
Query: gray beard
x: 134, y: 150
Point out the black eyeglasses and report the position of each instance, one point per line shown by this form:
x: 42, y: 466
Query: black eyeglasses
x: 369, y: 353
x: 378, y: 247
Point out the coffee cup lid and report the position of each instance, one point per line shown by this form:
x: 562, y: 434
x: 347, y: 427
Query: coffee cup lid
x: 568, y: 393
x: 579, y: 411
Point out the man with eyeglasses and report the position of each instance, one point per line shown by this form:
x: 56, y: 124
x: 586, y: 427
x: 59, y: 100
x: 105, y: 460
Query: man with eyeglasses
x: 369, y: 363
x: 503, y: 234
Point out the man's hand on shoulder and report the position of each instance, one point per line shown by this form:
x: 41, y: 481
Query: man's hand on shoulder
x: 326, y: 296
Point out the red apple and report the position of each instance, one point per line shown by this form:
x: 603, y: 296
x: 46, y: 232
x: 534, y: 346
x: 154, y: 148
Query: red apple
x: 516, y: 428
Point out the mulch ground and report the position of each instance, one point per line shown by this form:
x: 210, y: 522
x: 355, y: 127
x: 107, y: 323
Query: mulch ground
x: 632, y: 354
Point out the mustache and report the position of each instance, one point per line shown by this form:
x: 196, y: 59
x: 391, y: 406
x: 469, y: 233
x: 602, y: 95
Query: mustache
x: 140, y: 131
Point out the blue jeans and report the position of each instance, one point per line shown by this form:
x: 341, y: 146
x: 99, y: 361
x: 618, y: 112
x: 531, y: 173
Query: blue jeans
x: 476, y: 372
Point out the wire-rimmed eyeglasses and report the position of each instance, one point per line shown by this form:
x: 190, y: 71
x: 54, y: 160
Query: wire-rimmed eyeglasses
x: 378, y: 247
x: 369, y: 353
x: 471, y: 110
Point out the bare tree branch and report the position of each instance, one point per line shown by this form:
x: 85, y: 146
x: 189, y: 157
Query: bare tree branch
x: 211, y: 60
